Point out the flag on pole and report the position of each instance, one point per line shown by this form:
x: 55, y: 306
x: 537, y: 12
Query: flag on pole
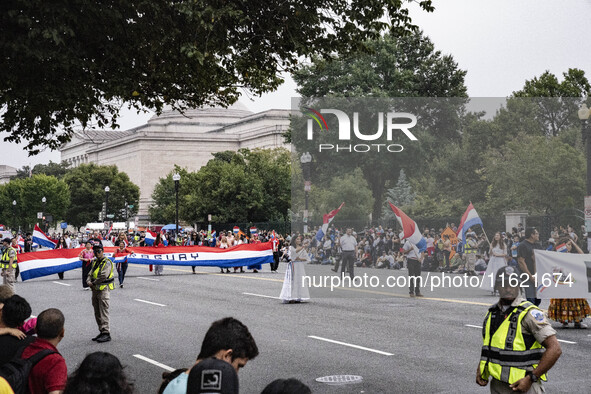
x: 326, y: 219
x: 150, y: 237
x: 410, y: 230
x: 469, y: 219
x: 42, y: 239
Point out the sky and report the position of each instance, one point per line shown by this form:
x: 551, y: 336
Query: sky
x: 500, y: 43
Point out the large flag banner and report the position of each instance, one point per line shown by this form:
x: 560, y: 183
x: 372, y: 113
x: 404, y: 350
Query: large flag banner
x: 34, y: 265
x: 469, y: 219
x: 326, y: 219
x: 150, y: 237
x: 563, y: 275
x: 40, y: 238
x: 410, y: 229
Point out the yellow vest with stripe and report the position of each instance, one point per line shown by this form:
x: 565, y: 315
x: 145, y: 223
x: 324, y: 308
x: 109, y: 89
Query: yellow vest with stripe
x: 98, y: 267
x: 6, y: 258
x: 469, y: 249
x: 505, y: 354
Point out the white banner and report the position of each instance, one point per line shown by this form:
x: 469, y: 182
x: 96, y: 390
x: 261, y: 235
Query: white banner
x: 563, y: 275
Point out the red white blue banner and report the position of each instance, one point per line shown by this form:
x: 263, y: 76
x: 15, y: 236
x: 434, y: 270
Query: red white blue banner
x: 37, y: 264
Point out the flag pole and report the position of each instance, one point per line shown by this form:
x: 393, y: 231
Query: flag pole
x: 487, y: 240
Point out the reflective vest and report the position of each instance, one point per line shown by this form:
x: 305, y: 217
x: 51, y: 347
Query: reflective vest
x: 98, y: 267
x: 469, y: 248
x: 505, y: 354
x: 6, y: 258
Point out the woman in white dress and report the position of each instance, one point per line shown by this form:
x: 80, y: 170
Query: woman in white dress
x: 498, y: 255
x: 292, y: 290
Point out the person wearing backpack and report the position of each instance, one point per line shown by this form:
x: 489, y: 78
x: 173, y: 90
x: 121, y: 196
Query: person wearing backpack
x: 50, y: 374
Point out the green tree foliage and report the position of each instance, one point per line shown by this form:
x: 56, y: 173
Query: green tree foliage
x: 87, y: 186
x: 65, y: 65
x: 28, y: 194
x: 57, y: 170
x: 532, y: 172
x: 553, y: 104
x: 400, y: 195
x: 238, y: 186
x: 352, y: 189
x: 396, y: 67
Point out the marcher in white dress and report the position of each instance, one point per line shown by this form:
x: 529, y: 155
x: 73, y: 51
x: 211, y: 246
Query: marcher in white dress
x: 293, y: 289
x: 498, y: 254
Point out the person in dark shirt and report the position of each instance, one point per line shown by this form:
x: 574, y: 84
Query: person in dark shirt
x: 527, y: 262
x: 15, y: 310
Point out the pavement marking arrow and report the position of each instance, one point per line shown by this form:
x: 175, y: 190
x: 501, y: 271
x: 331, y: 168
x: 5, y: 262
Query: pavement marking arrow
x: 156, y: 363
x: 350, y: 345
x: 148, y: 302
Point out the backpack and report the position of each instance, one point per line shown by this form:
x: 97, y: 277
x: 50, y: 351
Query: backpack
x: 16, y: 371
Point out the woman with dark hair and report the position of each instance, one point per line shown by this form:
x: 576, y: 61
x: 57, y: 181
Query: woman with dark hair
x: 498, y: 255
x: 99, y: 373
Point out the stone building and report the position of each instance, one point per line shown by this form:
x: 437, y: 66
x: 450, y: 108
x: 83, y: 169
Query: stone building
x: 5, y: 173
x: 149, y: 152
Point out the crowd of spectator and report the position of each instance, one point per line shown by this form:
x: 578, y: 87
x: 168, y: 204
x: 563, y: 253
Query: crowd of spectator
x: 227, y: 347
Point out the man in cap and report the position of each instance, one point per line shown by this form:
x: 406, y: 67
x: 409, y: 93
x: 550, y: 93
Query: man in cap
x: 8, y: 263
x: 470, y: 250
x: 100, y: 279
x: 519, y: 344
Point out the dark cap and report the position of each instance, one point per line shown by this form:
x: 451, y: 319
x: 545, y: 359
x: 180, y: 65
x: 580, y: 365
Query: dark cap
x: 212, y: 376
x: 504, y: 274
x: 97, y: 247
x: 8, y: 240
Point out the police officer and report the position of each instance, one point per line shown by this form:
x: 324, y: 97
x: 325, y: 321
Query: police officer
x: 8, y: 264
x: 470, y: 250
x: 101, y: 281
x: 519, y: 344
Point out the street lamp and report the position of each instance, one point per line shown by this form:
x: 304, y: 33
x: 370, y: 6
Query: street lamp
x: 44, y: 200
x: 14, y: 212
x: 107, y: 190
x: 176, y: 178
x: 584, y: 114
x: 306, y: 159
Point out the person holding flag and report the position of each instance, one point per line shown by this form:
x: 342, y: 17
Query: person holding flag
x: 414, y: 248
x: 469, y: 218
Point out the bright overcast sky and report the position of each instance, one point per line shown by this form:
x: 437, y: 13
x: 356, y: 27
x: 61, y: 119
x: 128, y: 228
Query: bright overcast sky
x: 501, y: 43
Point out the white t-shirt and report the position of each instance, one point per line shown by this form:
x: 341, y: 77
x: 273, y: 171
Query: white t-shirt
x: 413, y: 250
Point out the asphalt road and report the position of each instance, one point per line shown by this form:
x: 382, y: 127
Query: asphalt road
x: 395, y: 343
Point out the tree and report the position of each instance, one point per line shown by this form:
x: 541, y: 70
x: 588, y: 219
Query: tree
x: 400, y: 73
x: 65, y: 65
x: 551, y: 104
x: 400, y: 195
x: 53, y: 169
x: 533, y: 172
x: 87, y: 186
x: 28, y: 194
x: 163, y: 210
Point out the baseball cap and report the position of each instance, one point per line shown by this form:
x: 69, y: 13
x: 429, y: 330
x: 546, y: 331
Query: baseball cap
x: 212, y: 376
x: 8, y: 240
x: 504, y: 274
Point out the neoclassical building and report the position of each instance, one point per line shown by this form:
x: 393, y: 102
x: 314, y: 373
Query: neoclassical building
x: 149, y: 152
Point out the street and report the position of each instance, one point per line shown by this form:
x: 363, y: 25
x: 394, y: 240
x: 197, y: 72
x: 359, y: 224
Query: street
x: 395, y: 343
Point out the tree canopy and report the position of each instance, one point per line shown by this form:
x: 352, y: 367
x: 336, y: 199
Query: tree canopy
x: 67, y: 65
x: 87, y: 189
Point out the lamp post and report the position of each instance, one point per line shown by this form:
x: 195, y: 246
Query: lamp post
x: 44, y: 200
x: 14, y: 212
x: 584, y: 114
x: 176, y: 178
x: 107, y: 190
x: 306, y: 159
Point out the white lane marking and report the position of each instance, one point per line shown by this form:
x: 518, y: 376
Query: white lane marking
x: 559, y: 340
x: 351, y: 345
x: 155, y: 280
x: 156, y: 363
x: 60, y: 283
x: 148, y: 302
x: 562, y: 340
x: 261, y: 295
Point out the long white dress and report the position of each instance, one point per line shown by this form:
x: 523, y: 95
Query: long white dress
x: 293, y: 289
x: 493, y: 266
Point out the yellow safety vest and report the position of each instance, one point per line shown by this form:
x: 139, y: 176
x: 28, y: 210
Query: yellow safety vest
x: 505, y: 354
x: 98, y: 267
x: 469, y: 249
x: 6, y: 258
